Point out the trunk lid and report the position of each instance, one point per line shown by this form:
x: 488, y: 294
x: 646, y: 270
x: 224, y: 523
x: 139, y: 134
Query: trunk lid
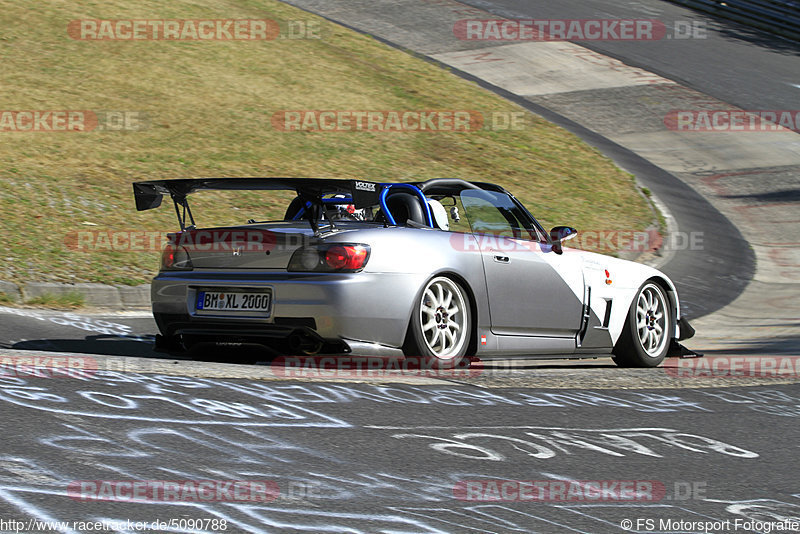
x: 243, y: 247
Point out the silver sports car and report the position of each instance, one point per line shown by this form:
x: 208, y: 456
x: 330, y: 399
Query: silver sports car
x: 443, y: 270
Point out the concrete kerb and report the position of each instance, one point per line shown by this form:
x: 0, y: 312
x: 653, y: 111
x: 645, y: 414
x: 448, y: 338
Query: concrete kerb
x: 661, y: 255
x: 94, y: 295
x: 11, y: 291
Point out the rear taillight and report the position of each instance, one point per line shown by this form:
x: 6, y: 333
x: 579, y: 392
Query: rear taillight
x: 330, y: 258
x: 175, y: 258
x: 346, y: 257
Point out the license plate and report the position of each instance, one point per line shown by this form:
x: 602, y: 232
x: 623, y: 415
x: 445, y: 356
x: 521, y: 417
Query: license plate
x: 233, y: 301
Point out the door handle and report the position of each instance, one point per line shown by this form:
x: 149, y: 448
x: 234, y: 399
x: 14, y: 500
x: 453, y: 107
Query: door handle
x: 502, y: 259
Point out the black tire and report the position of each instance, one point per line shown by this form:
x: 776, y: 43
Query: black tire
x: 645, y: 339
x: 441, y: 324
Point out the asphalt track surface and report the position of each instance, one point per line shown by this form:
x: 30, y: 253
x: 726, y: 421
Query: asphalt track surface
x: 739, y: 65
x: 387, y: 454
x: 396, y: 457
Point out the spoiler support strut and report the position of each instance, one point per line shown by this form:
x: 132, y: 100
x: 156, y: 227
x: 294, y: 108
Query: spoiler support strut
x: 183, y: 203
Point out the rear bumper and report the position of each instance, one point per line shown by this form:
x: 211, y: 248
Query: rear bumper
x: 364, y: 307
x: 180, y: 335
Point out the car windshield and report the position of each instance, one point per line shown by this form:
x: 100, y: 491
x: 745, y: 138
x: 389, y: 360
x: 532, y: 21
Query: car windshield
x: 495, y: 213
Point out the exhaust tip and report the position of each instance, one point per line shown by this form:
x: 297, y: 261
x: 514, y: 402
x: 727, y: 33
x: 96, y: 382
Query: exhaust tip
x: 305, y: 344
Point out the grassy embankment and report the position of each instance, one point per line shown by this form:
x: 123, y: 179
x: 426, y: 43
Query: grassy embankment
x: 209, y: 107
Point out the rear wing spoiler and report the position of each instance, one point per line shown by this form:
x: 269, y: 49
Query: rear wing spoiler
x: 149, y: 195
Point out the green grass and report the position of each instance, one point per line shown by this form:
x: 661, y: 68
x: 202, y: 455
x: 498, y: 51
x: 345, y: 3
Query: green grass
x: 209, y: 106
x: 65, y: 301
x: 5, y: 299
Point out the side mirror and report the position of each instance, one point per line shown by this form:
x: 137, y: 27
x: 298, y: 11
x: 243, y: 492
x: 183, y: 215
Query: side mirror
x: 559, y: 234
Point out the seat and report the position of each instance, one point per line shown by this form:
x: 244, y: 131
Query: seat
x: 404, y: 207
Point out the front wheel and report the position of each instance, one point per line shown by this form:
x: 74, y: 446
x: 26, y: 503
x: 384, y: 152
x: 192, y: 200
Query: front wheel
x: 441, y: 323
x: 645, y: 339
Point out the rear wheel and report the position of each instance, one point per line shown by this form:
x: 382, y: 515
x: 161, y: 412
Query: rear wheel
x: 441, y: 323
x: 645, y: 339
